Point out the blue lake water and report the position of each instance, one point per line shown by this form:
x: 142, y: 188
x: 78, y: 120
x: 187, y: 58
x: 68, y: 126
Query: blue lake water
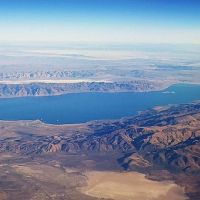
x: 83, y: 107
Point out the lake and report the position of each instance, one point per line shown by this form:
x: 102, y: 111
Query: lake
x: 83, y: 107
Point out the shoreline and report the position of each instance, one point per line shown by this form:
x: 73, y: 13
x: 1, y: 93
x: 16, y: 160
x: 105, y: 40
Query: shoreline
x: 163, y: 88
x: 156, y: 89
x: 41, y: 123
x: 48, y: 81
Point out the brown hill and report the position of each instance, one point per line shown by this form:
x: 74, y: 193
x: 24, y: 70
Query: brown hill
x: 158, y: 139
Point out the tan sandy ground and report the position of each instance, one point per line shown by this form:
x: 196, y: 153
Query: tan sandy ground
x: 36, y: 127
x: 130, y: 186
x: 2, y: 196
x: 49, y: 174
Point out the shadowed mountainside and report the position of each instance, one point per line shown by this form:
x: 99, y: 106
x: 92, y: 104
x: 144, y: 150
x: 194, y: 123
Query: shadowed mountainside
x: 164, y: 138
x: 49, y: 89
x: 167, y: 136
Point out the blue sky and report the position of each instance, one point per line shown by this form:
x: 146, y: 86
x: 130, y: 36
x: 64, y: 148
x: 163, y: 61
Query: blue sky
x: 118, y: 21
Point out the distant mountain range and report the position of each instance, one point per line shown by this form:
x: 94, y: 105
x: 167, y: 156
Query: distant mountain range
x: 48, y: 89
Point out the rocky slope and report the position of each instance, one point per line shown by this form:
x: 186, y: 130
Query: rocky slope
x: 169, y: 138
x: 164, y: 142
x: 47, y: 89
x: 55, y: 74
